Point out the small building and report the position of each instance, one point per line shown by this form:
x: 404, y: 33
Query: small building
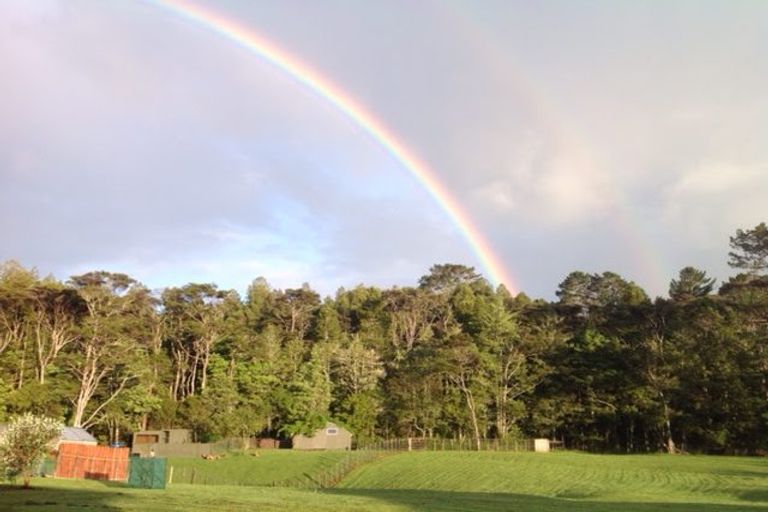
x: 175, y: 442
x: 159, y: 437
x: 330, y: 437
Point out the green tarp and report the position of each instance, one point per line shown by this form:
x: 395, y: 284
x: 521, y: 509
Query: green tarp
x: 47, y: 467
x: 147, y: 473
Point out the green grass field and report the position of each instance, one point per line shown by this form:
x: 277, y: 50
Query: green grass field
x: 270, y: 467
x: 443, y: 481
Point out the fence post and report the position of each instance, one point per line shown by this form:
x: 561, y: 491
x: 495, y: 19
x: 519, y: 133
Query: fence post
x: 410, y: 444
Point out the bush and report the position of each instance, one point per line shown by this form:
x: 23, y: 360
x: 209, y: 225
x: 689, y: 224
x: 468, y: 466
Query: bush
x: 24, y: 444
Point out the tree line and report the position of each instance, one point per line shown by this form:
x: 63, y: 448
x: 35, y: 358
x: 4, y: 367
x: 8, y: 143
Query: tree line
x: 603, y: 367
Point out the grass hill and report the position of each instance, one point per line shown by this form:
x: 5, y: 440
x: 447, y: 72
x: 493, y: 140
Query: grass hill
x: 574, y: 476
x: 438, y: 482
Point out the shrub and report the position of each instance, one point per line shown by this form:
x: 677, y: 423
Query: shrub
x: 24, y: 443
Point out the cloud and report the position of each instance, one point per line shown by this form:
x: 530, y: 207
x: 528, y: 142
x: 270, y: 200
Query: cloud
x: 716, y: 198
x: 545, y: 182
x: 135, y: 140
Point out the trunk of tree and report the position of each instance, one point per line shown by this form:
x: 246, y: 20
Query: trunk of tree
x: 469, y: 398
x: 502, y: 425
x: 670, y: 444
x: 89, y: 379
x: 52, y: 333
x: 22, y: 364
x: 14, y: 329
x: 204, y: 370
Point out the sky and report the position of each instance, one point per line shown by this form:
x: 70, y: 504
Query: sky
x: 577, y: 135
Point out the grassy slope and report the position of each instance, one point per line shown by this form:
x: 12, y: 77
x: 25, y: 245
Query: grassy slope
x: 577, y: 476
x: 450, y: 481
x: 238, y: 469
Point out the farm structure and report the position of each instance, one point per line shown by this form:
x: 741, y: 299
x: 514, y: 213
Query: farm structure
x: 92, y: 462
x: 178, y: 443
x: 167, y: 443
x: 330, y: 437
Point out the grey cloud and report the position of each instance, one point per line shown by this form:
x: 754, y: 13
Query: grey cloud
x: 129, y: 136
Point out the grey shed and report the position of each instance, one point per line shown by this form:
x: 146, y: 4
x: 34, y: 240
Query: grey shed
x: 330, y: 437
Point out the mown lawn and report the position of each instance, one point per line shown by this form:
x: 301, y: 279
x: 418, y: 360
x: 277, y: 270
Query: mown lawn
x: 579, y: 477
x: 450, y: 481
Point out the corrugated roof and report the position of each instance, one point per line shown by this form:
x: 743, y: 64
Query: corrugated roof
x: 68, y: 434
x: 76, y: 434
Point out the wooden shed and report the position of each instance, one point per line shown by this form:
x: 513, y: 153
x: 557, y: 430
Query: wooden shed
x: 330, y: 437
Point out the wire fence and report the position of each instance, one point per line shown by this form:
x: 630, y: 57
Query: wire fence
x: 318, y: 479
x: 450, y: 444
x: 198, y: 476
x: 332, y: 476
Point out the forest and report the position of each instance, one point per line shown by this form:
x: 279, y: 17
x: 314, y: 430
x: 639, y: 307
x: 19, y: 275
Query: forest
x: 602, y: 368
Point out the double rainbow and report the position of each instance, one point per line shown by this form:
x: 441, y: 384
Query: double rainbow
x: 343, y: 102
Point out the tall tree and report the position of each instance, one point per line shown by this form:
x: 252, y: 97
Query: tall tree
x: 195, y: 319
x: 462, y: 364
x: 56, y: 314
x: 447, y: 276
x: 106, y: 349
x: 16, y: 285
x: 750, y: 249
x: 608, y: 289
x: 690, y: 284
x: 411, y: 315
x: 294, y: 309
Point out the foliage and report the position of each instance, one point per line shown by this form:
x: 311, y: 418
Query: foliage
x: 24, y: 443
x: 691, y: 284
x: 750, y: 249
x: 603, y: 368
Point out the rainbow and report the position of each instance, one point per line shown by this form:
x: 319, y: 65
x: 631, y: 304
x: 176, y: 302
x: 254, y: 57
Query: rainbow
x: 344, y: 103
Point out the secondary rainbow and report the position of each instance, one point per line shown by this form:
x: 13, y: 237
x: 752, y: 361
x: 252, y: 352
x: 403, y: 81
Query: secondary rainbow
x: 305, y: 75
x: 465, y: 18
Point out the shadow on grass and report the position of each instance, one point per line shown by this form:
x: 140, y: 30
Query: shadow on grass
x: 754, y: 495
x: 438, y: 501
x: 49, y: 499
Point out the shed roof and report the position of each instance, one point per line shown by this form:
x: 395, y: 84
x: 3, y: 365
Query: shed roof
x: 67, y: 434
x: 76, y: 434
